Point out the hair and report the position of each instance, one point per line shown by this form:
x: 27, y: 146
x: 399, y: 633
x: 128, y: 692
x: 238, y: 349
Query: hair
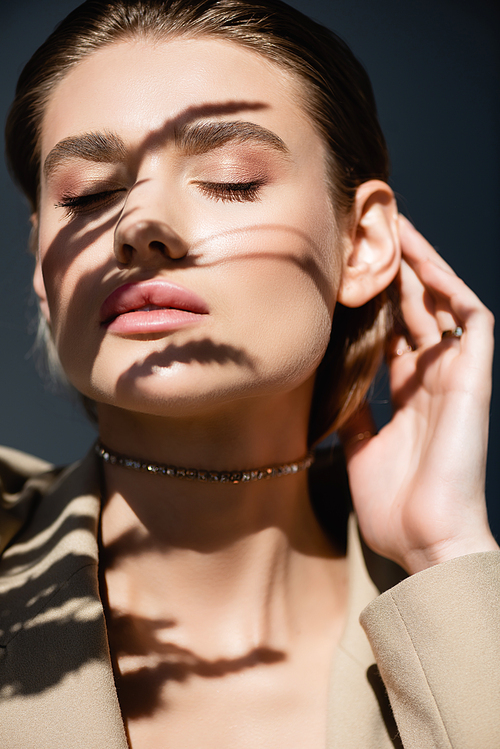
x: 338, y: 98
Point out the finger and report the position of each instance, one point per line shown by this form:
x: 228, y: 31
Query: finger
x: 466, y: 308
x: 433, y: 314
x: 399, y: 345
x: 416, y: 248
x: 425, y: 313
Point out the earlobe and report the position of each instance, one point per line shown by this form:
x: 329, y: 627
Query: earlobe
x: 373, y: 254
x: 38, y: 282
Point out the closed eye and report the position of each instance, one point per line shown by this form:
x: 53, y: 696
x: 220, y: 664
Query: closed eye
x: 232, y: 191
x: 82, y: 204
x: 76, y: 205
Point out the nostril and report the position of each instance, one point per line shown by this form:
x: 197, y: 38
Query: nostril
x: 160, y: 246
x: 126, y: 253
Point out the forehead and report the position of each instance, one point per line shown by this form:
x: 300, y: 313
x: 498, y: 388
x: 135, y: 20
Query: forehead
x: 139, y: 87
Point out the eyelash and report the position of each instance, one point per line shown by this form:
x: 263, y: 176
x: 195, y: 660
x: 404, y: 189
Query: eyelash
x: 231, y: 192
x: 82, y: 204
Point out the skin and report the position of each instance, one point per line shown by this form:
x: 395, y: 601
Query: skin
x: 230, y: 600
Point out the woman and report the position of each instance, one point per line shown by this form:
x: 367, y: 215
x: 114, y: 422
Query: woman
x: 217, y: 250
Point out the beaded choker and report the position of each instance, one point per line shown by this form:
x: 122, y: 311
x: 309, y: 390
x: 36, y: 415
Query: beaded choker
x: 210, y: 477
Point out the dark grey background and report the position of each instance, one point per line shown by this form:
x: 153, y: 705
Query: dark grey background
x: 435, y: 70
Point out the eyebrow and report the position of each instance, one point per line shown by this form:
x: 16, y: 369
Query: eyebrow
x: 202, y: 137
x: 193, y: 139
x: 99, y: 147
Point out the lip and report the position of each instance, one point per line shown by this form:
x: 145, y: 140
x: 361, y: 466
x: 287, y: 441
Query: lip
x: 151, y: 307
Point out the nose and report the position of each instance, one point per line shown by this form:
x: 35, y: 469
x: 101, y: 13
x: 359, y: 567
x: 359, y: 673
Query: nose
x: 146, y: 241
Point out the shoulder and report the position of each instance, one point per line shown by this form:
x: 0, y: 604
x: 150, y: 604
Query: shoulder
x: 17, y: 466
x: 24, y: 481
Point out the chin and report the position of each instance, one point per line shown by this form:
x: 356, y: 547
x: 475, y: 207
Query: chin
x: 179, y: 391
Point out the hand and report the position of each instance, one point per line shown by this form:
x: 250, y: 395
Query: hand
x: 418, y: 485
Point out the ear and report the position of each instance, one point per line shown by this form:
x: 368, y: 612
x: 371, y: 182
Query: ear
x: 373, y: 254
x: 38, y: 282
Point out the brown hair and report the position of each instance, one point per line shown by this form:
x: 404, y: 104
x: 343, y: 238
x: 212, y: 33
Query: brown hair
x: 338, y: 98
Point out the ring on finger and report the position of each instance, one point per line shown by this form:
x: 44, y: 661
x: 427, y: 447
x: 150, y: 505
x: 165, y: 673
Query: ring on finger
x: 455, y: 333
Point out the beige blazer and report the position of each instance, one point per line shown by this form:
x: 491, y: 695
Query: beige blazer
x: 433, y: 639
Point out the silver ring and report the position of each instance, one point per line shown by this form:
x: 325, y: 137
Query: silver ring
x: 455, y: 333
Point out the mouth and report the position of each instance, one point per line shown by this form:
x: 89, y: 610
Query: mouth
x: 151, y: 307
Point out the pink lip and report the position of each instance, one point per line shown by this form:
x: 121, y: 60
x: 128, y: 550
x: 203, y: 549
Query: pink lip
x: 126, y: 309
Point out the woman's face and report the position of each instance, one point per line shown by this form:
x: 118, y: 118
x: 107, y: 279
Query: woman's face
x: 189, y: 250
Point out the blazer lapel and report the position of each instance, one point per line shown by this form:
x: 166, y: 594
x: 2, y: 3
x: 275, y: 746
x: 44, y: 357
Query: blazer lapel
x: 56, y: 680
x: 359, y: 712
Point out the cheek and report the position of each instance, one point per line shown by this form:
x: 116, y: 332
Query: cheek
x: 73, y: 273
x: 284, y: 299
x: 292, y: 328
x: 73, y: 259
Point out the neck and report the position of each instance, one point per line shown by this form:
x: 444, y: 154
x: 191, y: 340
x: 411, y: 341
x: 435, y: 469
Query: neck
x: 238, y: 437
x: 198, y: 515
x: 251, y: 555
x: 244, y: 562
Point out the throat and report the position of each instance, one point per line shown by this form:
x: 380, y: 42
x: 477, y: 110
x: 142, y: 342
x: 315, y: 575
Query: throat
x: 214, y: 580
x: 255, y: 646
x: 204, y: 623
x: 239, y: 593
x: 250, y: 595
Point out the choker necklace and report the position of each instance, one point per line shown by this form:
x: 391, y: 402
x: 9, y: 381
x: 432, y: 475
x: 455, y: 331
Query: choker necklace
x: 210, y: 477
